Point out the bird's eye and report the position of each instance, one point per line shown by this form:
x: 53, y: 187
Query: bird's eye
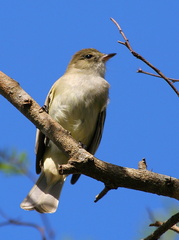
x: 88, y: 56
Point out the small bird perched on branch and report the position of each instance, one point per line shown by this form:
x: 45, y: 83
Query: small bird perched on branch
x: 78, y: 102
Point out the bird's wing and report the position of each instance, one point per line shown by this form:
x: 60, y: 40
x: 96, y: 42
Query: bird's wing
x: 98, y: 133
x: 41, y: 140
x: 95, y: 140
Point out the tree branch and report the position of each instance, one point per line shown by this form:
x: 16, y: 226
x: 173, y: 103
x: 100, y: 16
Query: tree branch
x: 137, y: 55
x: 81, y: 161
x: 163, y: 227
x: 10, y: 221
x: 155, y: 75
x: 12, y: 91
x: 174, y: 228
x: 114, y: 176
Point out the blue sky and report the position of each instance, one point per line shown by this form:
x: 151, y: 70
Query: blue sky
x: 37, y: 41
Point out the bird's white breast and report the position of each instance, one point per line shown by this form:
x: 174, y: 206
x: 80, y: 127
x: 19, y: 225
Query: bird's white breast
x: 77, y: 102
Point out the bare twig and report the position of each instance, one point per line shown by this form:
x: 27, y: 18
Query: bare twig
x: 135, y: 54
x: 102, y: 194
x: 142, y: 165
x: 163, y: 227
x: 47, y: 226
x: 155, y: 75
x: 10, y: 221
x: 175, y: 228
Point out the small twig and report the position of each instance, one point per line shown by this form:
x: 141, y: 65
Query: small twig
x: 102, y: 194
x: 169, y: 224
x: 135, y: 54
x: 47, y: 225
x: 175, y: 228
x: 10, y: 221
x: 142, y: 165
x: 155, y: 75
x: 126, y: 43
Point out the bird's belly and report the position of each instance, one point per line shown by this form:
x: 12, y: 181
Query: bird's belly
x: 77, y: 115
x: 81, y: 124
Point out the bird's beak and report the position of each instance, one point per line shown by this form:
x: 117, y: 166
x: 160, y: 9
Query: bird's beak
x: 106, y: 57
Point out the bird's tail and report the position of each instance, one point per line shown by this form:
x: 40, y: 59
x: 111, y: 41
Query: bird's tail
x: 43, y: 197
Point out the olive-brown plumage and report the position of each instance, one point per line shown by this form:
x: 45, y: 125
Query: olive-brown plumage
x: 78, y: 102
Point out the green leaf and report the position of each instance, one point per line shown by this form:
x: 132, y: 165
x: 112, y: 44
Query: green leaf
x: 13, y: 162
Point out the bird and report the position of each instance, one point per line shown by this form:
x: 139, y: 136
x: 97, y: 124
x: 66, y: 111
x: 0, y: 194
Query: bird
x: 77, y: 101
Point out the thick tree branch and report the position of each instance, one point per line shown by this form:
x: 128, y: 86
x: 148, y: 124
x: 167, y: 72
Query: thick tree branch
x: 80, y: 160
x: 137, y: 55
x: 12, y: 91
x: 115, y: 176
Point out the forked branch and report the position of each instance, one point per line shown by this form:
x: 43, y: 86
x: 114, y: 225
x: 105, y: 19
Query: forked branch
x: 137, y: 55
x: 170, y: 224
